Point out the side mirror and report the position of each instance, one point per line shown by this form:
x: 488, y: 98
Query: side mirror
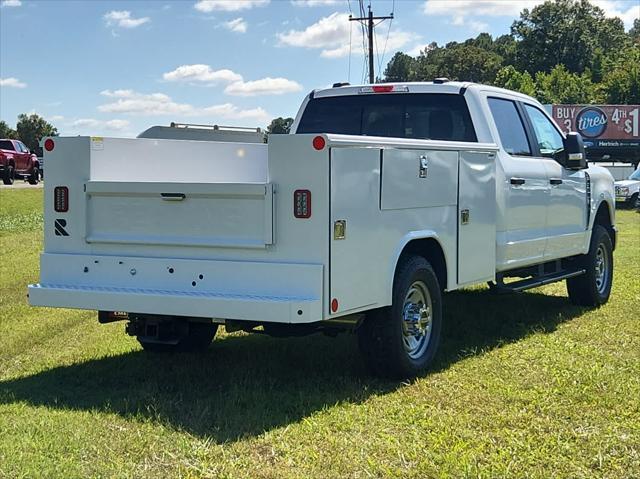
x: 573, y: 156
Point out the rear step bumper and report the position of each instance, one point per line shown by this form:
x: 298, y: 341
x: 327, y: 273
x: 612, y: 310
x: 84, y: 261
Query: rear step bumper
x: 273, y: 292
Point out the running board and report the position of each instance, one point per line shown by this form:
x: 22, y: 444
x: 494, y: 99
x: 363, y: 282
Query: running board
x: 518, y: 286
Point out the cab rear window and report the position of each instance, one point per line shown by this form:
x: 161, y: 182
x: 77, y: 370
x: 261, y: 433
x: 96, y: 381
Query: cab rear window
x: 429, y: 116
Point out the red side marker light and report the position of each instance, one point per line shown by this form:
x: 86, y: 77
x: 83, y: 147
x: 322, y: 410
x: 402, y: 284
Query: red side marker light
x: 318, y: 143
x: 49, y: 144
x: 61, y: 199
x: 334, y: 305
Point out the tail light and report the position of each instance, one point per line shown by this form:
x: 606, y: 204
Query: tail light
x: 61, y: 199
x: 302, y: 204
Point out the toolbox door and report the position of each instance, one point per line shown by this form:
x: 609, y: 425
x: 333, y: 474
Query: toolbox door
x: 354, y: 223
x: 476, y: 217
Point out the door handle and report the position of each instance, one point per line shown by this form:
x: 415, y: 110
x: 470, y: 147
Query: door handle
x: 517, y: 181
x: 424, y: 166
x: 555, y: 181
x: 172, y: 196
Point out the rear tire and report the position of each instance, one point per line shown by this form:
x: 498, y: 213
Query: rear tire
x: 197, y: 338
x: 34, y: 177
x: 8, y: 175
x: 594, y: 287
x: 401, y: 341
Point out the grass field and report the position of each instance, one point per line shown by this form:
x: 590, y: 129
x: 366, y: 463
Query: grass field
x: 525, y: 386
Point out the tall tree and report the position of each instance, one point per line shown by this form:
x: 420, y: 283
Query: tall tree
x: 32, y: 128
x: 510, y: 78
x: 6, y: 131
x: 400, y: 68
x: 634, y: 33
x: 458, y: 61
x: 280, y: 126
x: 567, y: 32
x: 621, y: 84
x: 562, y: 86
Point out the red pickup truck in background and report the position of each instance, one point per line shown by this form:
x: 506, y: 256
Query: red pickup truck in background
x: 16, y: 161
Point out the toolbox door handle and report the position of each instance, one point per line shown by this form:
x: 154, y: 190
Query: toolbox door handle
x: 173, y: 196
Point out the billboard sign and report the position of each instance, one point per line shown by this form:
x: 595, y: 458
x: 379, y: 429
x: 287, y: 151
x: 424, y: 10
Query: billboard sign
x: 601, y: 125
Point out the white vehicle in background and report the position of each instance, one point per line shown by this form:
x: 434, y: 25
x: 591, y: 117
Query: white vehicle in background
x: 628, y: 191
x: 383, y: 198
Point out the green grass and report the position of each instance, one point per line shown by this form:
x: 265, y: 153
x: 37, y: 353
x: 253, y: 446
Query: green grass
x: 525, y: 386
x: 20, y: 210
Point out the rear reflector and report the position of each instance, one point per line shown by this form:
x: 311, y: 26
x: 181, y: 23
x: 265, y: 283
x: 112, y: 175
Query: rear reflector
x: 61, y: 199
x: 49, y: 144
x: 384, y: 89
x: 302, y: 204
x: 318, y: 143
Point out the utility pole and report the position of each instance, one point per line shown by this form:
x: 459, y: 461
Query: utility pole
x: 369, y: 19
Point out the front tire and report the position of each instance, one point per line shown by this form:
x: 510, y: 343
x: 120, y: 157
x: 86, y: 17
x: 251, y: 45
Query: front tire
x: 8, y: 175
x: 401, y: 341
x: 594, y: 287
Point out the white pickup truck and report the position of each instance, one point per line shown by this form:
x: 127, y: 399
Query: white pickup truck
x: 628, y: 191
x: 383, y: 197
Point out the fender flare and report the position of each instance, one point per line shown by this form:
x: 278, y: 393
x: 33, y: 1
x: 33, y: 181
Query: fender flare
x: 400, y: 247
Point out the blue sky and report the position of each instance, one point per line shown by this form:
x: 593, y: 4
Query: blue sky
x: 114, y: 68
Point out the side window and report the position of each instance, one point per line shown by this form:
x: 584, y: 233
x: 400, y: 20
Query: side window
x: 510, y: 127
x: 21, y: 147
x: 549, y: 140
x: 6, y: 145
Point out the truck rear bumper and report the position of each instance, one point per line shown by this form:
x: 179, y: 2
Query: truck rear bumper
x: 251, y: 291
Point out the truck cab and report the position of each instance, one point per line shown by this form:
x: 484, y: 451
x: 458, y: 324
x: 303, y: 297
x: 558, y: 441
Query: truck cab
x: 383, y: 198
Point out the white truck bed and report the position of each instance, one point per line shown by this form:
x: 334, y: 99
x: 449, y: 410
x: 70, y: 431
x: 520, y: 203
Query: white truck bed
x: 207, y: 228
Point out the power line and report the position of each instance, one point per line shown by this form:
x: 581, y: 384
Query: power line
x: 384, y: 50
x: 369, y: 19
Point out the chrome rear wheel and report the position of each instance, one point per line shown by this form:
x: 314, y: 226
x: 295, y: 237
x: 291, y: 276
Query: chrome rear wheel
x: 416, y: 320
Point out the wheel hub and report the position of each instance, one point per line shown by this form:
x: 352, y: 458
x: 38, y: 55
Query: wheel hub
x: 416, y: 319
x: 601, y: 269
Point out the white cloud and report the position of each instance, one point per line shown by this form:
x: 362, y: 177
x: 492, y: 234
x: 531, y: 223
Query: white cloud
x: 328, y: 32
x: 462, y: 8
x: 200, y: 73
x: 11, y: 3
x: 315, y: 3
x: 123, y: 19
x: 627, y: 11
x: 204, y: 74
x: 128, y: 101
x: 237, y: 25
x: 265, y: 86
x: 229, y: 111
x: 55, y: 118
x: 111, y: 125
x: 134, y: 103
x: 466, y: 12
x: 12, y: 83
x: 331, y: 35
x: 208, y: 6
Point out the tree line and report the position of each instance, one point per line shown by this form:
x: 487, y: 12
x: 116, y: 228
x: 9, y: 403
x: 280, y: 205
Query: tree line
x: 30, y: 129
x: 562, y: 51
